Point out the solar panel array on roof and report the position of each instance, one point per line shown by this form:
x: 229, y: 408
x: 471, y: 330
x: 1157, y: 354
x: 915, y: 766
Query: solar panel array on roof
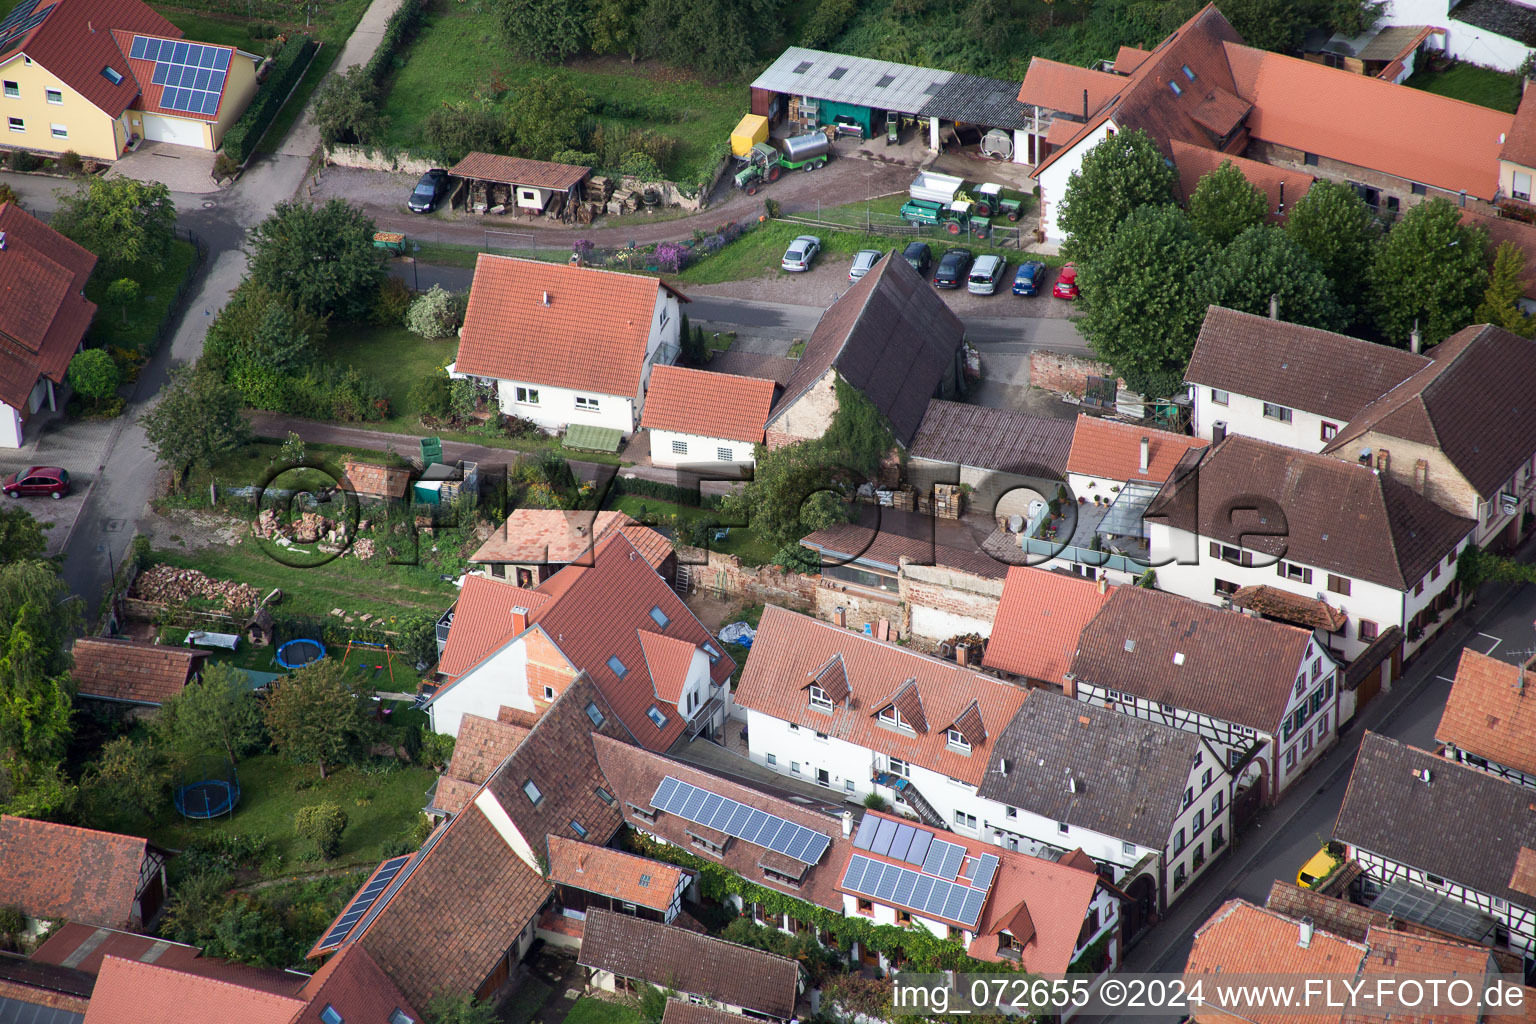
x: 904, y: 887
x: 193, y: 74
x: 734, y: 818
x: 361, y: 903
x: 1411, y: 903
x: 19, y: 22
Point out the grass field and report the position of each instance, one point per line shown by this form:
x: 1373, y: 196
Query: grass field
x: 1484, y: 86
x: 213, y: 28
x: 157, y: 290
x: 588, y: 1010
x: 740, y: 541
x: 460, y: 57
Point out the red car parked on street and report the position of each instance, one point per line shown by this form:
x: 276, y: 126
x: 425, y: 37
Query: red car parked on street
x: 1066, y: 283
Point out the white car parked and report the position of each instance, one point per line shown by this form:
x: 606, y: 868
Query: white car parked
x: 801, y: 252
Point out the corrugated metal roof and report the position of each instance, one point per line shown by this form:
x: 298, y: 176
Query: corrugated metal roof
x: 857, y: 80
x: 974, y: 100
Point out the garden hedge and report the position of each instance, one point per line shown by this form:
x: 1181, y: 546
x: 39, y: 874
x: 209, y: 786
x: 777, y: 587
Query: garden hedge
x: 287, y: 68
x: 398, y: 31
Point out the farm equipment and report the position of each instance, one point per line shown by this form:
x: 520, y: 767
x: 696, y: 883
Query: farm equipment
x: 892, y: 127
x: 938, y: 188
x: 990, y: 202
x: 955, y: 217
x: 394, y: 241
x: 765, y: 164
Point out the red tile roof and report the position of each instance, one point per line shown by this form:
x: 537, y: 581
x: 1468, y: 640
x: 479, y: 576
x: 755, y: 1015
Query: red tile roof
x: 75, y: 42
x: 668, y: 659
x: 591, y: 335
x: 1491, y: 711
x: 707, y: 404
x: 482, y: 745
x: 1367, y: 122
x: 375, y: 481
x: 1517, y: 233
x: 1055, y: 896
x: 357, y: 988
x: 1057, y: 86
x: 482, y: 621
x: 130, y: 992
x: 1039, y: 619
x: 1520, y: 144
x: 1392, y: 952
x: 613, y: 873
x: 790, y: 648
x: 1277, y: 183
x: 515, y: 170
x: 1275, y: 603
x: 133, y: 671
x: 540, y: 536
x: 60, y: 871
x: 1111, y: 450
x: 43, y: 310
x: 1129, y: 58
x: 83, y: 947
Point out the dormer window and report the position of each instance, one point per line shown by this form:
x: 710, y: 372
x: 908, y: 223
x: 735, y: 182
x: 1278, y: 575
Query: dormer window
x: 890, y: 716
x: 819, y: 698
x: 955, y: 740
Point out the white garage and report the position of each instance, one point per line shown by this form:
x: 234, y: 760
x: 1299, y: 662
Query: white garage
x: 178, y: 130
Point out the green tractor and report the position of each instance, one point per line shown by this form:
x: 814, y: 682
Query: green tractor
x: 765, y: 163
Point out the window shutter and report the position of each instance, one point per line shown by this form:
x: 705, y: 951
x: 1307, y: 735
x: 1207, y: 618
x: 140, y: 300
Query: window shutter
x: 1215, y: 550
x: 1306, y: 576
x: 1279, y: 568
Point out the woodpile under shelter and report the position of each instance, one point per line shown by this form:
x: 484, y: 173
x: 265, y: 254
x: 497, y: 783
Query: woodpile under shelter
x: 511, y: 184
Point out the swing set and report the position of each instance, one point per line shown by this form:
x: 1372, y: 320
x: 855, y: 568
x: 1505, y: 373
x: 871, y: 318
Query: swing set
x: 366, y: 647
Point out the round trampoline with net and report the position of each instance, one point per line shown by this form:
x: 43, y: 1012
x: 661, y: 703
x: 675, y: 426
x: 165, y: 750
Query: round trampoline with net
x: 298, y: 653
x: 213, y: 790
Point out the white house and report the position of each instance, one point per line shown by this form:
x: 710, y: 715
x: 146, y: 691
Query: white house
x: 1148, y: 802
x: 566, y: 345
x: 1418, y: 824
x: 1489, y: 720
x: 1476, y: 41
x: 614, y: 621
x: 710, y: 422
x: 1263, y: 694
x: 860, y: 716
x: 1284, y: 383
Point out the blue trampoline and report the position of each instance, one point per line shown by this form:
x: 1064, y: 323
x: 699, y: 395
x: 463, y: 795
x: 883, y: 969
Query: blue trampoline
x: 298, y: 653
x: 209, y: 798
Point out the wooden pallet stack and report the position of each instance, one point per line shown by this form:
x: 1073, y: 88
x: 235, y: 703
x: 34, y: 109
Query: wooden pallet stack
x: 947, y: 501
x: 596, y: 191
x: 625, y: 200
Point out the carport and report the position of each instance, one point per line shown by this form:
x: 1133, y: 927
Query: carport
x: 500, y: 184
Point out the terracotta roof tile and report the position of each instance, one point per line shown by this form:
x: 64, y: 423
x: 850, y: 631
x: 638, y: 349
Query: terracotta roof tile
x: 1478, y: 378
x: 43, y: 311
x: 1491, y: 712
x: 1195, y: 656
x: 684, y: 961
x: 1417, y: 956
x: 76, y: 41
x: 832, y: 677
x: 613, y: 873
x: 1279, y: 184
x: 27, y: 995
x: 1057, y: 86
x: 1220, y: 112
x: 1367, y: 122
x: 1129, y: 58
x: 482, y: 621
x: 1523, y: 878
x: 515, y: 170
x: 539, y: 536
x: 54, y: 871
x: 357, y: 988
x: 680, y: 1011
x: 1274, y: 603
x: 707, y: 404
x: 754, y: 364
x: 1111, y: 450
x: 1520, y: 144
x: 129, y: 992
x: 970, y: 725
x: 1387, y: 534
x: 635, y: 774
x: 789, y: 646
x: 374, y: 481
x: 481, y: 747
x: 884, y: 536
x: 988, y: 438
x: 908, y: 702
x: 1305, y: 368
x: 654, y: 547
x: 83, y: 947
x: 668, y: 659
x: 591, y: 336
x: 133, y: 671
x: 518, y: 717
x: 1039, y: 619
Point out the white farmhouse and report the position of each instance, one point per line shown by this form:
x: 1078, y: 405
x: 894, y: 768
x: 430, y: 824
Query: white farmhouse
x: 567, y: 345
x: 709, y: 422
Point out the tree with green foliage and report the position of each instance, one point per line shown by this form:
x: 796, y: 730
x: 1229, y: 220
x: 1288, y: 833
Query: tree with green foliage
x: 797, y: 489
x: 345, y: 109
x: 319, y: 714
x: 37, y: 623
x: 21, y: 536
x: 1476, y: 566
x: 827, y: 22
x: 1335, y: 227
x: 1263, y: 262
x: 548, y: 115
x: 129, y: 224
x: 460, y: 1009
x: 1118, y: 176
x: 123, y: 293
x: 322, y: 257
x: 94, y: 375
x: 218, y: 712
x: 1430, y: 270
x: 321, y: 824
x: 717, y: 37
x: 196, y: 420
x: 8, y: 194
x: 436, y: 313
x: 653, y: 1003
x: 1225, y: 204
x: 128, y: 777
x: 547, y: 31
x: 432, y: 395
x: 452, y: 132
x: 1506, y: 286
x: 261, y: 327
x: 1144, y: 296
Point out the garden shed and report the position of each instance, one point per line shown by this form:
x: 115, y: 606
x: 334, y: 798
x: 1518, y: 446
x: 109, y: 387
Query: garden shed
x: 378, y: 483
x: 499, y: 184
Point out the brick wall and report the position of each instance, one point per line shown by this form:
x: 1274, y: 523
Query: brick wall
x: 1390, y: 185
x: 860, y: 606
x: 1065, y: 374
x: 764, y: 583
x: 948, y: 592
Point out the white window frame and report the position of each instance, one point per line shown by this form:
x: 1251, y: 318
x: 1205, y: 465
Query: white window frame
x: 13, y: 90
x: 819, y: 698
x: 1224, y: 399
x: 586, y: 404
x: 896, y: 766
x: 955, y: 740
x: 1278, y: 413
x: 725, y: 455
x: 965, y: 820
x: 1514, y: 186
x: 526, y: 396
x: 55, y: 97
x: 679, y: 447
x: 17, y: 125
x: 59, y: 131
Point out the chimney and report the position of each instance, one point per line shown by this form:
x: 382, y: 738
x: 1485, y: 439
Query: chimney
x: 1420, y: 475
x: 1415, y: 339
x: 1304, y: 933
x: 1280, y: 208
x: 1146, y: 453
x: 963, y: 655
x: 1218, y: 432
x: 840, y: 616
x: 847, y: 823
x: 519, y: 619
x: 1085, y: 104
x: 1383, y: 460
x: 1274, y: 306
x: 1103, y: 584
x: 546, y: 298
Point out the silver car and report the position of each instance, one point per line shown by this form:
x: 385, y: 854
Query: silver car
x: 986, y: 274
x: 863, y: 262
x: 801, y: 252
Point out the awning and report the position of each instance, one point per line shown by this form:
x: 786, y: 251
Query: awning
x: 593, y: 439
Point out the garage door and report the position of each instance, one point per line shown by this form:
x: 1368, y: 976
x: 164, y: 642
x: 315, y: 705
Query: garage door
x: 159, y: 128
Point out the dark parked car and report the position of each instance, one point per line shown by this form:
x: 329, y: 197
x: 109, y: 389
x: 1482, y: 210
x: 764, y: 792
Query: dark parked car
x: 953, y: 268
x: 919, y: 255
x: 1027, y: 280
x: 49, y: 480
x: 431, y: 188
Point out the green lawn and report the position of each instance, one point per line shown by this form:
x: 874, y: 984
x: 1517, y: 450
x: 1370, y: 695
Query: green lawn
x: 1484, y: 86
x: 588, y: 1010
x: 157, y: 291
x: 460, y: 57
x: 740, y: 541
x: 212, y: 28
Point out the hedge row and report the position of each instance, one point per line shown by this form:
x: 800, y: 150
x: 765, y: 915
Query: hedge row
x: 287, y: 68
x: 656, y: 489
x: 398, y: 31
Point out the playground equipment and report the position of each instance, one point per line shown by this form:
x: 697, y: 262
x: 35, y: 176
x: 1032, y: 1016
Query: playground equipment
x: 364, y: 645
x: 298, y: 653
x: 209, y: 796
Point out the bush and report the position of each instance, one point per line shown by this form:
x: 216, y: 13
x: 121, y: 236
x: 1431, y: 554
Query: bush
x: 322, y: 825
x: 224, y: 166
x: 393, y: 302
x: 399, y: 30
x: 432, y: 395
x: 453, y: 132
x: 656, y: 489
x: 823, y: 27
x: 636, y: 164
x: 94, y: 375
x: 70, y: 161
x: 346, y: 109
x: 876, y: 802
x: 13, y: 921
x: 286, y: 70
x: 23, y: 162
x: 435, y: 314
x: 436, y: 750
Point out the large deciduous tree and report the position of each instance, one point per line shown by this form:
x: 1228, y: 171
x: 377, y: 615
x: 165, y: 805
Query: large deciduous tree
x: 196, y: 419
x: 346, y: 109
x: 319, y: 714
x: 323, y: 257
x: 1144, y: 296
x: 1333, y: 224
x: 128, y: 224
x: 1225, y: 204
x: 543, y: 30
x: 1430, y: 270
x: 1120, y: 175
x: 218, y: 712
x: 37, y: 623
x: 21, y: 536
x: 1264, y: 262
x: 547, y: 116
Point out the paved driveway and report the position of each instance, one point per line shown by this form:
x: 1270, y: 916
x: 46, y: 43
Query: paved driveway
x: 179, y: 168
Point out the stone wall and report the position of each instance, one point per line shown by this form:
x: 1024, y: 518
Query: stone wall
x: 1390, y: 185
x: 860, y: 606
x: 764, y: 583
x: 1065, y: 374
x: 946, y: 595
x: 368, y: 160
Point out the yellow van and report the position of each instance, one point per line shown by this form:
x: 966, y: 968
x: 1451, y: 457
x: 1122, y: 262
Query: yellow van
x: 1318, y: 868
